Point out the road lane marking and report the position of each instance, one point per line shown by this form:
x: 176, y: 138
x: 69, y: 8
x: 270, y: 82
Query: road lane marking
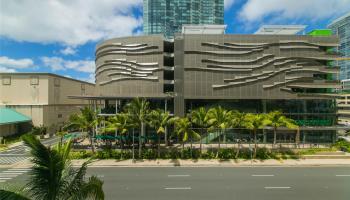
x: 9, y: 175
x: 14, y: 154
x: 178, y: 188
x: 179, y: 175
x: 263, y: 175
x: 5, y: 178
x: 277, y: 187
x: 12, y: 171
x: 342, y: 175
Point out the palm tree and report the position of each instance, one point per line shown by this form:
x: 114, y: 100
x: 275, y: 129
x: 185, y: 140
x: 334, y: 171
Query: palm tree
x: 276, y: 120
x: 219, y: 118
x: 52, y: 177
x: 159, y: 120
x: 238, y: 120
x: 199, y: 118
x: 121, y: 123
x: 254, y: 123
x: 86, y: 120
x: 183, y: 129
x: 39, y: 130
x: 138, y: 110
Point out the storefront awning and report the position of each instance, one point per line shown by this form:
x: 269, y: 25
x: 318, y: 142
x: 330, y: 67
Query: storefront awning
x: 10, y: 116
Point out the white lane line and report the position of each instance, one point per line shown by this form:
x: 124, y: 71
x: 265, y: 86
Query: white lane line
x: 9, y: 175
x: 13, y: 154
x: 342, y: 175
x: 277, y: 187
x: 179, y: 175
x: 27, y: 169
x: 178, y: 188
x: 263, y: 175
x: 5, y: 178
x: 13, y: 171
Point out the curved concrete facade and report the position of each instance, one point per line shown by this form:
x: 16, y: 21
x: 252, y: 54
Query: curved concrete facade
x: 130, y: 67
x: 217, y: 67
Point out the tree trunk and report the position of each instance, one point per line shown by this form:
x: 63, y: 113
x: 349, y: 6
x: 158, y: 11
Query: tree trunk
x: 238, y: 143
x: 297, y: 137
x: 191, y: 147
x: 255, y: 144
x: 274, y: 135
x: 166, y: 136
x: 158, y: 147
x: 91, y: 143
x: 219, y: 139
x: 140, y: 140
x: 200, y: 141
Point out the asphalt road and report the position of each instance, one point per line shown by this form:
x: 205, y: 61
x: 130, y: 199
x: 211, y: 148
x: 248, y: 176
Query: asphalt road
x: 241, y: 183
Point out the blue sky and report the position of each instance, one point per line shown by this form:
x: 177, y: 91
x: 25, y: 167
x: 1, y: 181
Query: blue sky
x: 60, y: 36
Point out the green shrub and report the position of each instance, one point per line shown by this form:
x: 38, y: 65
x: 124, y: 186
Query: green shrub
x: 80, y: 154
x: 226, y: 154
x: 263, y: 154
x: 149, y: 154
x: 342, y: 145
x: 209, y: 154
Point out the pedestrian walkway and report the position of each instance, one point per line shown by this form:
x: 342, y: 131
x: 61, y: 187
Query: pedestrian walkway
x: 9, y: 160
x: 9, y: 174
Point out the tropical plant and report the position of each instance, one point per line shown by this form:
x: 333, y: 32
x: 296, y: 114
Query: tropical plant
x: 39, y: 130
x: 276, y: 120
x: 199, y: 118
x: 121, y: 123
x: 219, y: 118
x: 183, y: 129
x: 254, y: 123
x: 52, y: 177
x: 159, y: 120
x: 138, y: 110
x: 86, y: 120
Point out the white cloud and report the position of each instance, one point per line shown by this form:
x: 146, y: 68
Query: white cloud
x: 68, y: 51
x: 4, y: 69
x: 257, y: 10
x: 6, y: 62
x: 66, y: 21
x: 58, y: 63
x: 229, y: 3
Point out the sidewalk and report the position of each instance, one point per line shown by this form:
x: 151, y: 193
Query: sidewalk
x: 216, y: 163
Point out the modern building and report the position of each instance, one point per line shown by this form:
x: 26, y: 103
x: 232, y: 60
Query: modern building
x: 167, y: 16
x: 43, y: 97
x: 341, y: 28
x: 250, y: 73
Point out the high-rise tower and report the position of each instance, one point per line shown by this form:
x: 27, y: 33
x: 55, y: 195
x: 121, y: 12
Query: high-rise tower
x: 341, y: 27
x: 168, y: 16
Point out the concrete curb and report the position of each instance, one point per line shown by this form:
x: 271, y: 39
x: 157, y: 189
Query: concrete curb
x: 216, y: 163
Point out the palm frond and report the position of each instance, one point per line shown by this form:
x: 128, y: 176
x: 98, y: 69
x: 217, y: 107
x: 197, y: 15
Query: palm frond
x: 10, y: 195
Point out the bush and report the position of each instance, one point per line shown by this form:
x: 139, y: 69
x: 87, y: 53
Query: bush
x: 342, y: 145
x: 226, y: 154
x: 80, y: 154
x: 173, y: 153
x: 264, y: 154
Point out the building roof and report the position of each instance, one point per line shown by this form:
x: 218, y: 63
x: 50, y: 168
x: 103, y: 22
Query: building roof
x: 10, y: 116
x: 280, y: 29
x: 203, y: 29
x: 44, y: 73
